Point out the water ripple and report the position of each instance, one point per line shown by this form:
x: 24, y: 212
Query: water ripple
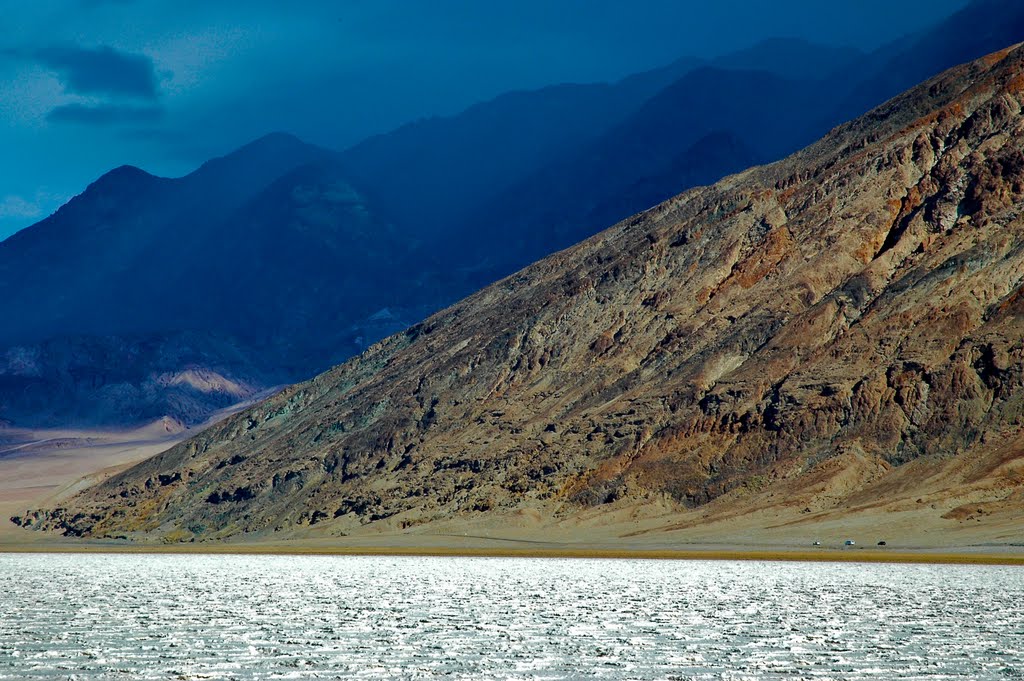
x: 280, y: 617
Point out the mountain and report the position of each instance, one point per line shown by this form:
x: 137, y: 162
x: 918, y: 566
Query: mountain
x: 981, y: 27
x: 705, y: 125
x: 545, y: 168
x: 435, y: 171
x: 759, y: 104
x: 835, y: 333
x: 104, y: 263
x: 258, y: 269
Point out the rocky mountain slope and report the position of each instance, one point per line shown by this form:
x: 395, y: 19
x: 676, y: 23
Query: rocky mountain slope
x: 839, y: 330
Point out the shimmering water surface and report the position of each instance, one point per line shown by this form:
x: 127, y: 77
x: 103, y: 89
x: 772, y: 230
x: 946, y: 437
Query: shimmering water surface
x: 261, y: 617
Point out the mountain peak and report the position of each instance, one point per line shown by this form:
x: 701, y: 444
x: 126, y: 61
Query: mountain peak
x: 121, y: 174
x: 122, y: 180
x: 270, y: 145
x: 270, y: 155
x: 274, y: 141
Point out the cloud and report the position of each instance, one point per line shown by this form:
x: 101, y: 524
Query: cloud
x: 18, y: 207
x: 103, y: 114
x: 14, y: 206
x: 106, y: 86
x: 100, y: 71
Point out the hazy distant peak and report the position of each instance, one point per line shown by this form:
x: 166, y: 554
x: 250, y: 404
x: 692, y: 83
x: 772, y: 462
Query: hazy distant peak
x: 276, y: 149
x: 273, y: 141
x: 122, y: 179
x: 108, y: 193
x: 123, y: 173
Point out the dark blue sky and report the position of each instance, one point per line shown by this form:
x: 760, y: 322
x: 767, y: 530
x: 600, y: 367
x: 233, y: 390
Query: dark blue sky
x: 86, y: 85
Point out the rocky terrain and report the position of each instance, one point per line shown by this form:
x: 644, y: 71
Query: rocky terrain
x: 837, y: 332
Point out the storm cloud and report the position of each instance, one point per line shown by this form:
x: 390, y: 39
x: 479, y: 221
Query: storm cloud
x: 99, y: 71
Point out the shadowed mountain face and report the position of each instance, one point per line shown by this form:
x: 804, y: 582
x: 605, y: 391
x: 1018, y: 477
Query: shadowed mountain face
x: 515, y: 179
x: 106, y: 263
x: 705, y: 125
x: 801, y: 333
x: 437, y: 171
x: 980, y: 28
x: 441, y: 171
x: 257, y: 269
x: 281, y: 259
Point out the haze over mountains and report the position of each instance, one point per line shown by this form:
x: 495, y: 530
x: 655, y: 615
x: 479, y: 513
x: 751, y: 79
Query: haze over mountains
x: 281, y: 259
x: 834, y: 335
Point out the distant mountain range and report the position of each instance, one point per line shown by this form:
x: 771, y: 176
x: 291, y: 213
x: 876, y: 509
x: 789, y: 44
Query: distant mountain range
x: 281, y: 259
x: 255, y: 269
x: 832, y: 337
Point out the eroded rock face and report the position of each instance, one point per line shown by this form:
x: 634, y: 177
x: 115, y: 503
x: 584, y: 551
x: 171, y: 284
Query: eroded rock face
x: 860, y: 301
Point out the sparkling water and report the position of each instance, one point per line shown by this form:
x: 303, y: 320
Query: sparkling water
x: 67, y: 616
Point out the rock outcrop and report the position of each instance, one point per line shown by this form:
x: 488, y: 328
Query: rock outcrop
x: 802, y: 329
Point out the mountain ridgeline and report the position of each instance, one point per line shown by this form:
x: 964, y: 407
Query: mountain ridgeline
x: 838, y: 330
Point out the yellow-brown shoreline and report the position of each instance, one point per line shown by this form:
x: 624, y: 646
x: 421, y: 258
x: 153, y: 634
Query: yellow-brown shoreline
x: 980, y: 557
